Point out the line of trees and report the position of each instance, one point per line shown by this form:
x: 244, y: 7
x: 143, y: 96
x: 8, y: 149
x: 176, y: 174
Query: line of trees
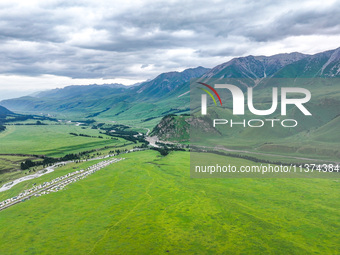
x: 166, y: 150
x: 84, y: 135
x: 48, y: 161
x: 37, y: 123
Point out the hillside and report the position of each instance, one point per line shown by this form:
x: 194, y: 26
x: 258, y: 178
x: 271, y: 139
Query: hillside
x: 4, y: 112
x: 254, y: 67
x: 325, y: 64
x: 88, y: 91
x: 165, y: 83
x: 172, y: 128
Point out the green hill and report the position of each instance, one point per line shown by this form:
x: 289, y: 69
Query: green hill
x: 4, y: 112
x: 172, y: 128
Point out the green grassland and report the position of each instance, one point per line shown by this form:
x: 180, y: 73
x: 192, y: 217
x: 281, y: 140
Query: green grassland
x: 143, y: 114
x: 148, y: 204
x: 52, y: 140
x: 9, y: 168
x: 9, y: 162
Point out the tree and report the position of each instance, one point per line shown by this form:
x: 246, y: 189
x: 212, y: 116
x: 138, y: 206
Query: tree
x: 27, y: 164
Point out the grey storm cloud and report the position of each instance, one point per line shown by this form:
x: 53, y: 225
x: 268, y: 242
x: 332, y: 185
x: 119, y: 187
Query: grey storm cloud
x: 108, y: 39
x: 300, y: 22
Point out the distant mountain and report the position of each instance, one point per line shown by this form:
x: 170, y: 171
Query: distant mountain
x: 143, y: 101
x: 168, y: 82
x: 115, y: 86
x: 324, y: 64
x: 119, y: 85
x: 254, y: 67
x: 84, y: 90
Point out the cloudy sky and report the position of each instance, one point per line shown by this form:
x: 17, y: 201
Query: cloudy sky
x: 51, y: 43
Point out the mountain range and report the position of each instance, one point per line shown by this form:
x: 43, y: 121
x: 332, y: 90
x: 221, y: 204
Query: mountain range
x: 168, y: 92
x: 146, y: 104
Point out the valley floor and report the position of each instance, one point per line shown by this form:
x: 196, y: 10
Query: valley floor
x: 148, y: 204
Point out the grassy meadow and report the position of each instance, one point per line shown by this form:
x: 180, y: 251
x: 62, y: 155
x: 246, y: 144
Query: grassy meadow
x: 148, y: 204
x: 9, y: 162
x: 19, y: 142
x: 52, y: 140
